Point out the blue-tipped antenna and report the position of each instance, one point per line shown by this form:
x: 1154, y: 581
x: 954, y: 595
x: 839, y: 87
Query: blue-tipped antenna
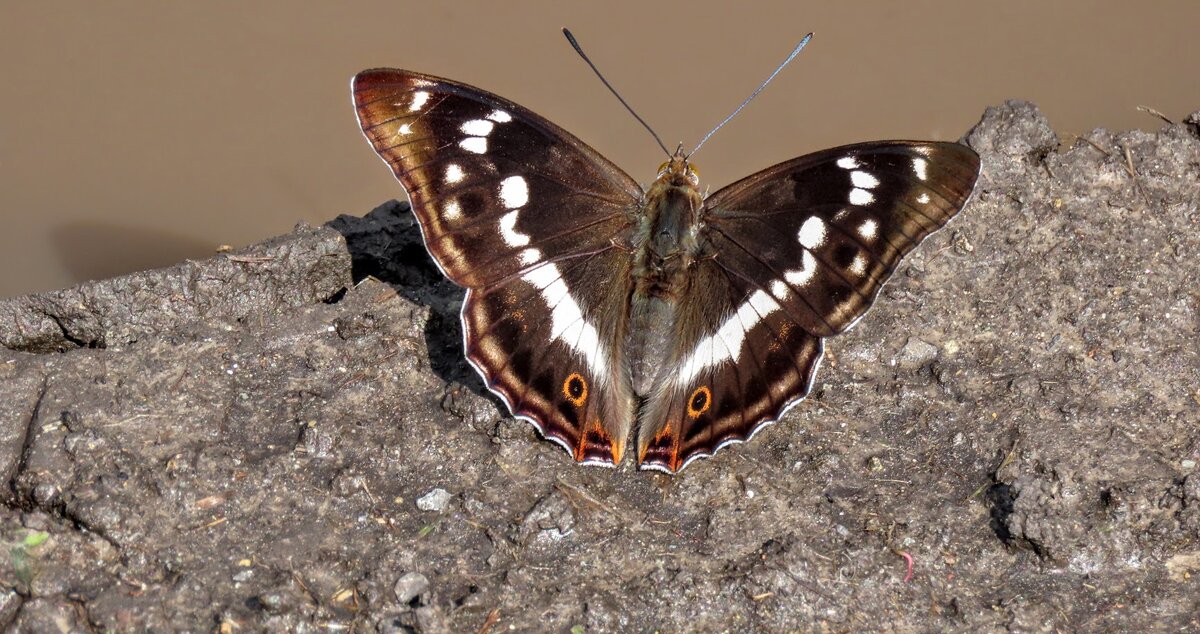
x: 790, y: 57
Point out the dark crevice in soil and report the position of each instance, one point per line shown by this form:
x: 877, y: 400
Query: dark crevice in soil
x: 76, y: 341
x: 26, y: 447
x: 1193, y: 124
x: 335, y: 297
x: 1000, y: 497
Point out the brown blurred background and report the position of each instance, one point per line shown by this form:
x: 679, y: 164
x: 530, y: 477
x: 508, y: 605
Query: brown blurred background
x: 134, y: 134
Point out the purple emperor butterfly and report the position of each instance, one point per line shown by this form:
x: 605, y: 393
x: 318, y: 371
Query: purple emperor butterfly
x: 598, y: 310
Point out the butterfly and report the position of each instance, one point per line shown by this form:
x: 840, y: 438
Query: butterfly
x: 657, y: 320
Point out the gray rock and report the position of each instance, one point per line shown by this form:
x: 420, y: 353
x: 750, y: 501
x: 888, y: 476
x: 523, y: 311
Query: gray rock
x: 435, y: 500
x: 916, y: 352
x: 410, y: 586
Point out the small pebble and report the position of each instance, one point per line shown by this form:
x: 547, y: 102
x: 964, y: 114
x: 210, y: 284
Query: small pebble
x: 435, y: 500
x: 917, y: 352
x: 1188, y: 464
x: 411, y: 586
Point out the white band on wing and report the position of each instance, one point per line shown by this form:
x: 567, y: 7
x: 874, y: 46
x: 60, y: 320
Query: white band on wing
x: 726, y: 343
x: 567, y: 322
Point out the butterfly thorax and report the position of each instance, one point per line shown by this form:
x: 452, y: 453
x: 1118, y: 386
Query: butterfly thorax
x: 665, y: 244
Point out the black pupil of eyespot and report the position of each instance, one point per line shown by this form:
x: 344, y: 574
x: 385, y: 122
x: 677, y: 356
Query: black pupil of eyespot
x: 575, y: 387
x: 699, y: 400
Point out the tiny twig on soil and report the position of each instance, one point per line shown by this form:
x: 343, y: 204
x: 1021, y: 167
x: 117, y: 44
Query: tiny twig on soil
x: 1149, y: 110
x: 1092, y: 143
x: 573, y: 492
x: 492, y: 618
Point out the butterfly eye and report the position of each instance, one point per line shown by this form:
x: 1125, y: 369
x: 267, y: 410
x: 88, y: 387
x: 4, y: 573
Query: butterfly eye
x: 699, y: 402
x: 575, y: 389
x: 662, y: 169
x: 693, y: 174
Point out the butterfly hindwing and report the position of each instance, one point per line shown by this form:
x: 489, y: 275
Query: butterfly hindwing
x: 736, y: 368
x: 553, y: 360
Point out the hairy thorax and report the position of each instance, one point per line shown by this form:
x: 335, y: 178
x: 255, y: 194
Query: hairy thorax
x: 664, y: 246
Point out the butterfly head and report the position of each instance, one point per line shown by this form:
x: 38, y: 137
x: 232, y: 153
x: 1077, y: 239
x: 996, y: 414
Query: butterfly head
x: 678, y: 172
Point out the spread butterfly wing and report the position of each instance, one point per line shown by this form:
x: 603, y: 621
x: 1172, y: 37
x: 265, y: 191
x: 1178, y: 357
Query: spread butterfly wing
x: 553, y: 356
x: 796, y: 252
x: 524, y: 215
x: 823, y: 232
x: 494, y: 186
x: 740, y: 362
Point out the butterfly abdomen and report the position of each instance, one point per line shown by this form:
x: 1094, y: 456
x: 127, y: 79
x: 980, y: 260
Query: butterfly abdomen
x: 664, y: 248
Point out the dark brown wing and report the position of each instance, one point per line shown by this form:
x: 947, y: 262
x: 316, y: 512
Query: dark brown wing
x: 740, y: 364
x: 555, y: 359
x: 495, y: 187
x: 525, y: 216
x: 799, y: 251
x: 828, y: 229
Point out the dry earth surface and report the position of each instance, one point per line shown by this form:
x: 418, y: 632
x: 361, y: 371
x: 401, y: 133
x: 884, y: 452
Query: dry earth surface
x: 287, y: 438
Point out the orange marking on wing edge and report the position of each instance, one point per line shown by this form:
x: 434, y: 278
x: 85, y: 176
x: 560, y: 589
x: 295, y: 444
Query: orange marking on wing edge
x: 704, y: 396
x: 663, y: 434
x: 594, y: 435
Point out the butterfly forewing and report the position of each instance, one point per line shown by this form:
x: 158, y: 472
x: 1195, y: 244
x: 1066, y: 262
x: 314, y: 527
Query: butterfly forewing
x: 823, y: 232
x: 495, y: 187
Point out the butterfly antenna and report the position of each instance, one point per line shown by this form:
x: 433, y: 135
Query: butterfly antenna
x: 790, y: 57
x: 575, y: 45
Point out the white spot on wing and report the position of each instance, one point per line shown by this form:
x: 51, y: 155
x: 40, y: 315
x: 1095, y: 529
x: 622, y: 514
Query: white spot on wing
x: 859, y: 265
x: 923, y: 198
x: 861, y: 197
x: 529, y: 256
x: 418, y: 102
x: 804, y: 274
x: 454, y: 173
x: 762, y: 304
x: 508, y: 230
x: 476, y: 144
x: 862, y: 179
x: 405, y: 129
x: 566, y: 319
x: 452, y: 211
x: 500, y: 116
x: 514, y: 192
x: 919, y: 168
x: 848, y: 163
x: 812, y: 233
x: 779, y: 289
x: 868, y: 229
x: 477, y: 127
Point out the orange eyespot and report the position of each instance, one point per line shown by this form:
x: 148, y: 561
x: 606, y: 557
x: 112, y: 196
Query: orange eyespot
x: 575, y: 389
x: 699, y: 402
